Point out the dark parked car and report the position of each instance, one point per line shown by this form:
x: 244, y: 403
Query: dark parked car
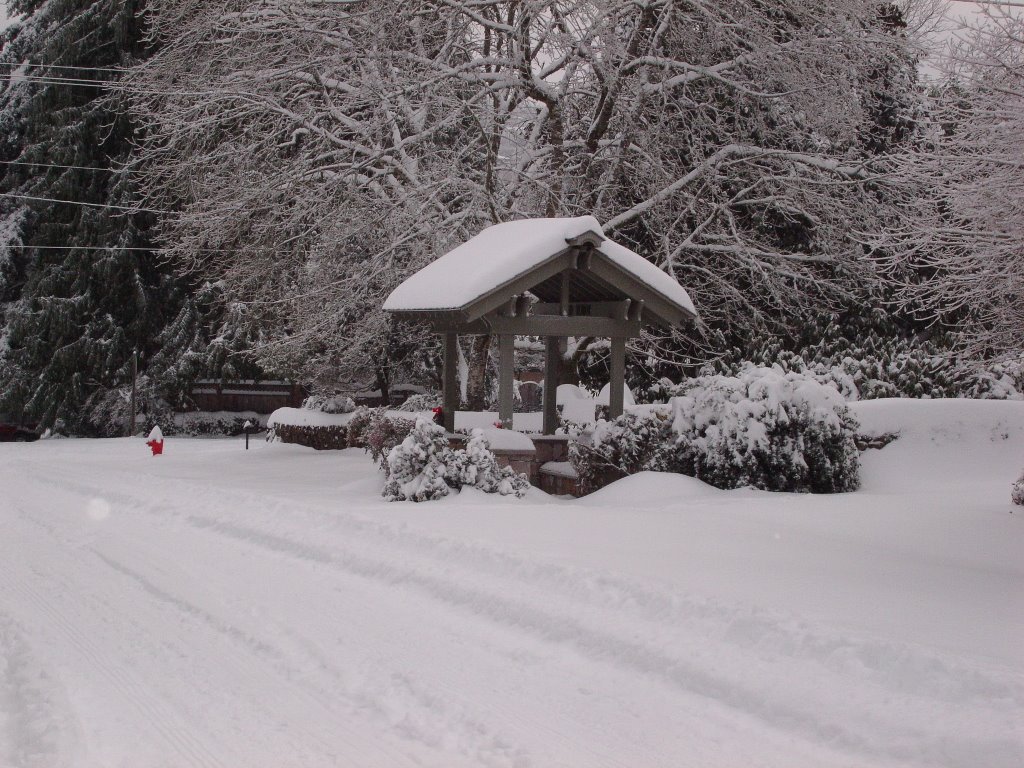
x: 13, y: 429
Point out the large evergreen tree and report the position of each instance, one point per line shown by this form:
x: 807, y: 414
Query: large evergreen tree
x: 85, y: 289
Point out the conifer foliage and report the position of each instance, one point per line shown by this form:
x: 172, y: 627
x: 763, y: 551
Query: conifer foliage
x: 84, y: 290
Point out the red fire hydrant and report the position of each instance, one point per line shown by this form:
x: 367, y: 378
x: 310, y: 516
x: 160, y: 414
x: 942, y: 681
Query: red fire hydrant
x: 156, y: 441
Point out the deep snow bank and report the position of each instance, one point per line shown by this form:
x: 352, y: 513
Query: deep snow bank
x: 976, y: 446
x: 942, y: 421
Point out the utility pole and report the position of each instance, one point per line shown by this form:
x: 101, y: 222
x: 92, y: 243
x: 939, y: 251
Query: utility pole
x: 135, y: 376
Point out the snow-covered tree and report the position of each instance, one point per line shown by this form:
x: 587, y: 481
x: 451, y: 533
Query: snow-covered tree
x: 88, y: 290
x: 318, y: 153
x: 959, y: 254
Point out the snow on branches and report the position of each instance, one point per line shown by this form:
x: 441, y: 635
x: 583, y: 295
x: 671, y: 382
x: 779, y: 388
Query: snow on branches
x: 318, y: 153
x: 958, y: 255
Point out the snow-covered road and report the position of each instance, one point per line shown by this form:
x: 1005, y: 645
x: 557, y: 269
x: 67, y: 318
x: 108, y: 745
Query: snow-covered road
x: 213, y: 607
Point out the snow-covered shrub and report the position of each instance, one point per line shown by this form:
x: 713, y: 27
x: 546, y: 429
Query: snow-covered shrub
x: 358, y: 425
x: 377, y: 431
x: 329, y: 437
x: 384, y: 433
x: 875, y: 365
x: 329, y: 403
x: 1017, y: 493
x: 998, y: 381
x: 106, y: 412
x: 207, y: 423
x: 764, y: 428
x: 629, y: 444
x: 417, y: 468
x: 420, y: 402
x: 768, y: 429
x: 478, y: 467
x: 425, y: 467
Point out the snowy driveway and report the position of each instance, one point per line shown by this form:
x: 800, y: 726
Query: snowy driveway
x: 214, y: 607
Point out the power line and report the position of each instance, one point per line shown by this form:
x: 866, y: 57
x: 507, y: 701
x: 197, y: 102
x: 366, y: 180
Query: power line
x: 84, y: 248
x: 136, y: 248
x: 111, y: 85
x: 79, y: 202
x: 51, y: 165
x: 61, y: 66
x: 14, y: 77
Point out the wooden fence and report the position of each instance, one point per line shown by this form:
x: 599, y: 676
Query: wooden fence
x: 259, y: 396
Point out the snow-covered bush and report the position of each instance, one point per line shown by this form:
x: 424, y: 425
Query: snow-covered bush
x: 875, y: 365
x: 424, y: 467
x: 107, y: 411
x: 417, y: 467
x: 357, y: 426
x: 207, y: 423
x: 384, y: 433
x: 764, y: 428
x: 420, y: 402
x: 1017, y: 493
x: 768, y: 429
x: 629, y: 444
x: 377, y: 431
x: 329, y: 403
x: 330, y: 437
x: 998, y: 381
x: 477, y: 466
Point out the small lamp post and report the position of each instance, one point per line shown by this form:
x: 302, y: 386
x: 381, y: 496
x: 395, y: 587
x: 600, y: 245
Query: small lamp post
x: 247, y: 428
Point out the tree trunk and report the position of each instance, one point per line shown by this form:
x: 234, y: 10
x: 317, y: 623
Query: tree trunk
x: 476, y: 390
x: 382, y: 384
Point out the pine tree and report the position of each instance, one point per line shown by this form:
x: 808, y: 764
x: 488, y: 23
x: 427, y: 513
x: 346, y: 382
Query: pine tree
x: 92, y: 291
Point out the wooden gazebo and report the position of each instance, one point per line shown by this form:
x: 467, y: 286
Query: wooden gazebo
x: 552, y: 278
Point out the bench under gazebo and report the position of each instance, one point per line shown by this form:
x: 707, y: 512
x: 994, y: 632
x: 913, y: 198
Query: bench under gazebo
x: 551, y: 278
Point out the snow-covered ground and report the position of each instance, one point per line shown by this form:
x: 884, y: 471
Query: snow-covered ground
x: 217, y: 607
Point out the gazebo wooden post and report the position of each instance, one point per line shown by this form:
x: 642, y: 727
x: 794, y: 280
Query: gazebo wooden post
x: 506, y: 374
x: 617, y: 379
x: 450, y: 385
x: 552, y: 358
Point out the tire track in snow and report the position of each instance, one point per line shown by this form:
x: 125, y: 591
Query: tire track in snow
x: 382, y: 699
x: 923, y: 675
x: 37, y: 729
x: 164, y: 719
x: 430, y: 566
x: 742, y: 625
x: 368, y: 696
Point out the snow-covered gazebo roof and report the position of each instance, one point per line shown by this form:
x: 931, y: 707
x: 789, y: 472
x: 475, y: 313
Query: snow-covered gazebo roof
x: 540, y: 277
x: 530, y: 256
